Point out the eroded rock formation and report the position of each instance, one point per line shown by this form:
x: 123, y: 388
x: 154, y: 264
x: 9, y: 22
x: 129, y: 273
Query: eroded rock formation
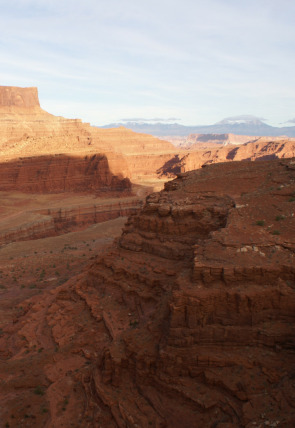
x: 188, y: 321
x: 262, y: 149
x: 198, y: 141
x: 16, y: 97
x: 61, y: 173
x: 41, y: 223
x: 27, y: 130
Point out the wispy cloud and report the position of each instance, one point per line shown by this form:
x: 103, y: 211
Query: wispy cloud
x: 155, y: 119
x: 187, y: 58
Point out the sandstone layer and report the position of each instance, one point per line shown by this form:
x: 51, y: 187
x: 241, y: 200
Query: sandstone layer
x: 198, y: 141
x: 16, y: 97
x: 61, y: 173
x: 27, y: 130
x: 262, y: 149
x: 41, y: 223
x: 187, y: 321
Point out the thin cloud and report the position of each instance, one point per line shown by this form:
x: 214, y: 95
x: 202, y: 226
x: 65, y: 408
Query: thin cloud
x: 155, y: 119
x: 150, y: 60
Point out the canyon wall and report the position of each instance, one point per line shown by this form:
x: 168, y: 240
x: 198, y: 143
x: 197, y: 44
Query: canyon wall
x: 61, y: 173
x: 262, y: 149
x: 54, y: 221
x: 12, y: 96
x: 187, y: 321
x: 198, y: 141
x: 27, y: 130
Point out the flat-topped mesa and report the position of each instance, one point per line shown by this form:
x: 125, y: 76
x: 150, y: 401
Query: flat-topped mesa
x: 12, y: 96
x: 22, y: 118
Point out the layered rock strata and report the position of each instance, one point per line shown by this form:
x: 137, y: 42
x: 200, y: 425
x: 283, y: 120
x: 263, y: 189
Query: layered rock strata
x: 188, y: 321
x: 27, y: 130
x: 61, y: 173
x: 54, y: 221
x: 262, y: 149
x: 198, y: 141
x: 16, y: 97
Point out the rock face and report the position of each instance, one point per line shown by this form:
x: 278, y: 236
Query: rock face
x: 188, y: 320
x: 61, y: 173
x: 27, y: 130
x: 42, y: 223
x: 197, y: 141
x: 262, y: 149
x: 22, y: 118
x: 11, y: 96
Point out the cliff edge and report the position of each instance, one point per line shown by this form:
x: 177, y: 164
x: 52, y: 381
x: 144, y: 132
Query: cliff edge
x: 188, y: 320
x: 12, y: 96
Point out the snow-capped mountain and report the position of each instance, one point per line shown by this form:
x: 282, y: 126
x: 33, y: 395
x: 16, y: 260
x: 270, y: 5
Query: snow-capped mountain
x: 239, y: 125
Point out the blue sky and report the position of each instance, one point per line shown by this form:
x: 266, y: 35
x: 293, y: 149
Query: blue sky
x: 195, y: 60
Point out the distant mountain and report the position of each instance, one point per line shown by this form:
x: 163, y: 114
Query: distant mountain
x: 239, y: 125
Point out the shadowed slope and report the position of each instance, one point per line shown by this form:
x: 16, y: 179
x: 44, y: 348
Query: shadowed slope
x: 187, y: 321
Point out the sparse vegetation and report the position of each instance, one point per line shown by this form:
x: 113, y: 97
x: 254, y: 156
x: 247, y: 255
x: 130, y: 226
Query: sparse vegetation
x: 39, y: 391
x: 65, y: 403
x: 133, y: 324
x: 280, y: 217
x: 260, y: 222
x: 276, y: 232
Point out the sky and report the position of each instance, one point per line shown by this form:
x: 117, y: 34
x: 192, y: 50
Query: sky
x: 194, y: 62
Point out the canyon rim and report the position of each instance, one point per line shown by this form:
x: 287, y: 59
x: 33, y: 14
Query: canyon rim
x: 184, y: 314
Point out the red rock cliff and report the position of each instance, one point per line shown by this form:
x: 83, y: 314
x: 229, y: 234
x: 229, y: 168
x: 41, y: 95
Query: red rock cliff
x: 12, y: 96
x: 61, y: 173
x: 188, y: 321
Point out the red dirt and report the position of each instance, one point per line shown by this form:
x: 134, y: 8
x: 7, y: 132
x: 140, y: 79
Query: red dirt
x: 187, y: 321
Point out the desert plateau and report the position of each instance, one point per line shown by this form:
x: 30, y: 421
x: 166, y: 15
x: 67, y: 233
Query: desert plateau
x: 143, y: 283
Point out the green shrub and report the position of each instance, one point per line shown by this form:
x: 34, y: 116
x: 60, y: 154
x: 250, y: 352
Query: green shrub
x: 39, y: 391
x: 280, y: 217
x: 133, y: 324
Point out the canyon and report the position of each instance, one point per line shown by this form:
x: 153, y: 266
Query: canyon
x: 187, y: 320
x: 127, y: 300
x: 29, y: 131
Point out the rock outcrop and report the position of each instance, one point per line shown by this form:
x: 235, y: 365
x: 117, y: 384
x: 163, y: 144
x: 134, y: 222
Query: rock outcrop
x: 27, y: 130
x: 198, y: 141
x: 262, y: 149
x: 61, y: 173
x: 16, y: 97
x: 41, y: 223
x: 188, y: 320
